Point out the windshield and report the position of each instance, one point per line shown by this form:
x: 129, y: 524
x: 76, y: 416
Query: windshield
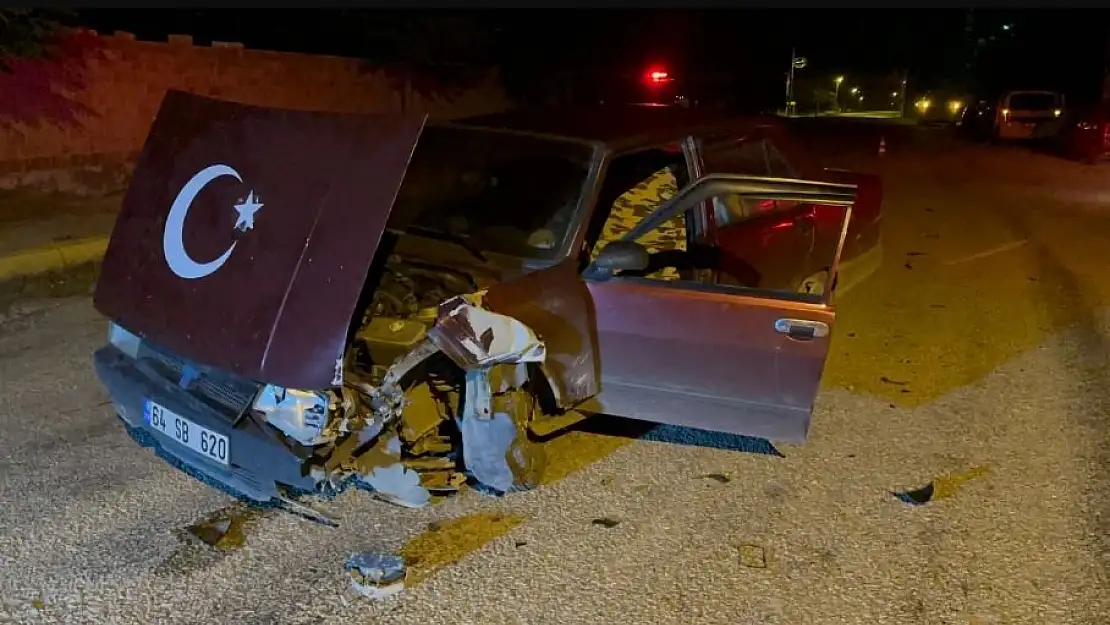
x: 495, y: 191
x: 1033, y: 101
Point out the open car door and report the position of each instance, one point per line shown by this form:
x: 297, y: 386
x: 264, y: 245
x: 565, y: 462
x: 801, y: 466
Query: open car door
x: 718, y: 357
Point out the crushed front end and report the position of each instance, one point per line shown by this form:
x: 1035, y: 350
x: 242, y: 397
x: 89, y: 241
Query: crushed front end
x: 429, y: 396
x: 277, y: 326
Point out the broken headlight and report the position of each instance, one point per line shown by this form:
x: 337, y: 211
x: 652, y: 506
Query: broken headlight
x: 123, y: 339
x: 300, y: 415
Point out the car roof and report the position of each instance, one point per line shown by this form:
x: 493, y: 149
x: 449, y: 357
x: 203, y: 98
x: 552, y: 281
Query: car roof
x: 620, y: 128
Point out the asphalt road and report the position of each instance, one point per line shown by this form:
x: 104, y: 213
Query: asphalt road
x: 978, y: 355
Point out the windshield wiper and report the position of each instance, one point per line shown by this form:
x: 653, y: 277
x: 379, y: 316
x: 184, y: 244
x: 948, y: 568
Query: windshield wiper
x: 458, y: 239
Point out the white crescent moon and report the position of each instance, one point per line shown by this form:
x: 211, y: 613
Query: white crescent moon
x: 172, y: 244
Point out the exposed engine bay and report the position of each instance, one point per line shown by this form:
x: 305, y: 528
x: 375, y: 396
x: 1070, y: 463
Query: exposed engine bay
x: 406, y: 288
x: 434, y: 391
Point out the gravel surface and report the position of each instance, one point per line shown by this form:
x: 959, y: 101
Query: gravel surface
x: 90, y: 523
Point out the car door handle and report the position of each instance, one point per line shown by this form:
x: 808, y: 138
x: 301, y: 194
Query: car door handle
x: 802, y: 329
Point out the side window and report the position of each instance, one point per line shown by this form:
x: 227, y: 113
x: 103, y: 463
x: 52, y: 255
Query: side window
x: 642, y: 182
x: 778, y: 252
x: 735, y: 156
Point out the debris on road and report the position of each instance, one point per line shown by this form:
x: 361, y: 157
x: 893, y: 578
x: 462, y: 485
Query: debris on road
x: 223, y: 530
x: 894, y: 382
x: 752, y: 556
x: 722, y: 478
x: 376, y: 576
x: 942, y: 487
x: 606, y: 522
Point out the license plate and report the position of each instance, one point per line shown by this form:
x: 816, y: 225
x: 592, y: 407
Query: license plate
x: 200, y: 439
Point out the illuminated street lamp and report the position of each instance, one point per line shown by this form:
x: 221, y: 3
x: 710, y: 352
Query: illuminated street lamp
x: 854, y: 90
x: 836, y: 90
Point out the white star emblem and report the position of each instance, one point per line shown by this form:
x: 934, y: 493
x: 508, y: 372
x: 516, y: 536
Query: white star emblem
x: 247, y: 208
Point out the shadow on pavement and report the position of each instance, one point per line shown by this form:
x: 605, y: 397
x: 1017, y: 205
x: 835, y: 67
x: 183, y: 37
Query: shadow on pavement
x: 606, y: 425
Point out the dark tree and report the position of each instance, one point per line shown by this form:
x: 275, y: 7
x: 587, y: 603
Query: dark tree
x: 27, y: 33
x: 426, y: 52
x: 44, y: 63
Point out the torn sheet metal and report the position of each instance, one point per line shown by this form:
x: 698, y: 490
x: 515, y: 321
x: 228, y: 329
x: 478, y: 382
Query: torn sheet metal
x: 496, y: 449
x: 556, y: 304
x: 374, y: 417
x: 376, y: 576
x: 474, y: 337
x: 486, y: 445
x: 301, y: 415
x: 493, y: 350
x: 397, y: 484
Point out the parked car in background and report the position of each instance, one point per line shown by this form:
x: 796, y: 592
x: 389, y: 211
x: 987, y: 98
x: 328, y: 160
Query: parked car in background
x: 1028, y: 115
x: 940, y: 107
x: 977, y: 119
x: 359, y: 299
x: 1085, y: 135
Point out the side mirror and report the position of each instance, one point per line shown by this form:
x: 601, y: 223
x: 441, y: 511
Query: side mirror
x: 622, y: 256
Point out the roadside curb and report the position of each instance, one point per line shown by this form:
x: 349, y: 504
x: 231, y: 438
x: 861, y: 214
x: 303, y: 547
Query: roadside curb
x: 52, y: 257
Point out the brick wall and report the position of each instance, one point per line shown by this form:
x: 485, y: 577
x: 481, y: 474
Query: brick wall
x: 112, y: 91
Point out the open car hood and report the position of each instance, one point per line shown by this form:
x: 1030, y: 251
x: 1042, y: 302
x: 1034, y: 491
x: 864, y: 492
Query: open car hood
x: 247, y: 233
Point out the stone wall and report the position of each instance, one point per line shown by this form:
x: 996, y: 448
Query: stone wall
x: 75, y: 124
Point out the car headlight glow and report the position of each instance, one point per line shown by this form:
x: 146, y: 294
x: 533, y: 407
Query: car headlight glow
x: 301, y: 415
x: 123, y: 339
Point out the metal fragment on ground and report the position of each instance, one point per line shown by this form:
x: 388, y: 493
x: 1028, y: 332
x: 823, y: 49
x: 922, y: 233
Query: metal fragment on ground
x: 942, y: 487
x: 376, y: 576
x: 606, y: 522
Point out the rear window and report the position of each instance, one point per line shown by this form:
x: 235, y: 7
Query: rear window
x: 1033, y: 101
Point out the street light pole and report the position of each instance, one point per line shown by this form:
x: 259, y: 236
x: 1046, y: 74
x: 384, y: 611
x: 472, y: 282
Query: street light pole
x: 903, y: 111
x: 790, y: 82
x: 836, y: 92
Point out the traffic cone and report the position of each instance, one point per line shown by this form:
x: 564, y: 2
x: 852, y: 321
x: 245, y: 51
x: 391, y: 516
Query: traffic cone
x: 882, y: 146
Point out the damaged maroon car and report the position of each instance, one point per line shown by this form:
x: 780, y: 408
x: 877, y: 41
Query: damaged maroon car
x: 302, y: 301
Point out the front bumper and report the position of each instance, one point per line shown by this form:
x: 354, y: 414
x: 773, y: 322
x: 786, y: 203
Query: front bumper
x: 258, y: 460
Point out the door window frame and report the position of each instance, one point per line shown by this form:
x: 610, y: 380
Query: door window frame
x: 819, y: 301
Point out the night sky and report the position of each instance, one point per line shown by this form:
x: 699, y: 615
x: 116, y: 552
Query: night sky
x: 1063, y: 49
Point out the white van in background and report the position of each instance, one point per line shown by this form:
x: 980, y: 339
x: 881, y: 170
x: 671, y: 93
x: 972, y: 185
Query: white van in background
x: 1028, y: 115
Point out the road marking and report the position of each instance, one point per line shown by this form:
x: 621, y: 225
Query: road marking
x: 991, y: 252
